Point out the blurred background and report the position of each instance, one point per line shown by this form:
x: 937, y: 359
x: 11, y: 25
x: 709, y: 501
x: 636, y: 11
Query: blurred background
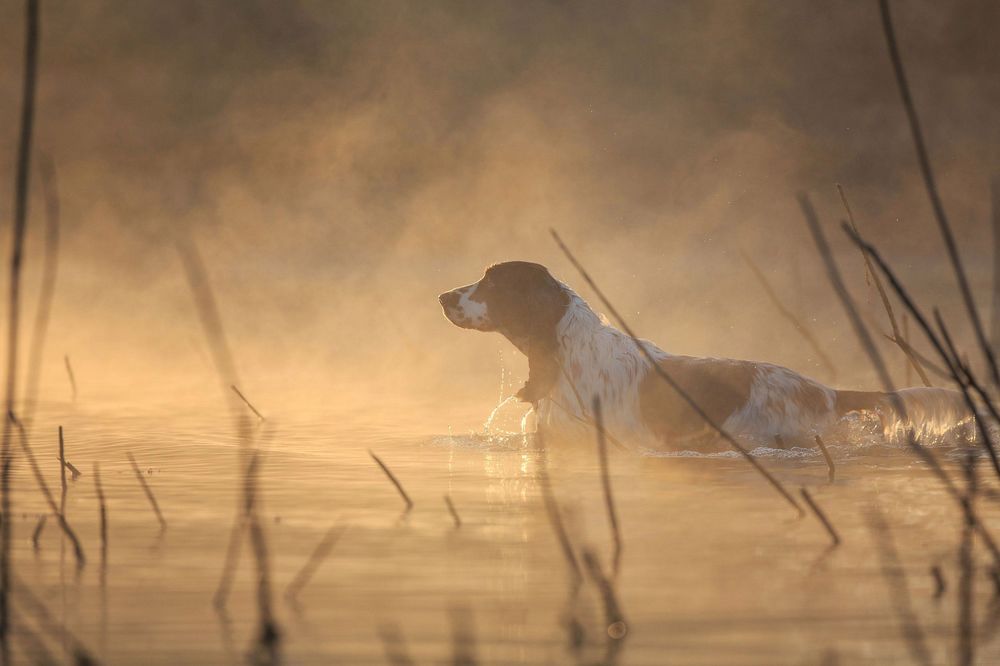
x: 341, y: 163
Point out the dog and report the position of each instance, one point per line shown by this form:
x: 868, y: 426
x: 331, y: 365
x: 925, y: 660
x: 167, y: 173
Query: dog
x: 575, y: 355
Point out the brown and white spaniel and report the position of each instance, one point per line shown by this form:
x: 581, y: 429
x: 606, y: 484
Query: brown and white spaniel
x: 574, y: 355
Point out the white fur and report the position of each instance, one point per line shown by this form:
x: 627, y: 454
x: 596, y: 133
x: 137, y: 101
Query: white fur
x: 598, y: 359
x: 472, y: 310
x: 773, y: 410
x: 467, y: 312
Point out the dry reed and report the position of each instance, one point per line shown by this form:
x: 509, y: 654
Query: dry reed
x: 72, y: 470
x: 319, y: 554
x: 966, y: 568
x: 229, y: 563
x: 906, y: 345
x: 50, y: 270
x: 268, y: 639
x: 790, y: 317
x: 966, y: 380
x: 102, y: 507
x: 899, y: 593
x: 930, y: 186
x: 33, y: 646
x: 940, y: 585
x: 395, y: 481
x: 463, y: 637
x: 452, y: 511
x: 939, y: 347
x: 609, y: 500
x: 927, y: 363
x: 37, y: 533
x: 897, y: 335
x: 147, y: 490
x: 53, y: 507
x: 70, y: 375
x: 555, y: 516
x: 616, y: 626
x: 22, y: 176
x: 62, y: 471
x: 837, y: 282
x: 831, y: 471
x: 247, y: 402
x: 59, y: 632
x: 876, y: 358
x: 394, y: 645
x: 834, y: 536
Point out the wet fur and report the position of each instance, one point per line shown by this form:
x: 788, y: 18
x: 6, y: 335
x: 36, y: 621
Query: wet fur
x: 575, y: 355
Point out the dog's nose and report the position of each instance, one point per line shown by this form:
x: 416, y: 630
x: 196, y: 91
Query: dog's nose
x: 449, y: 299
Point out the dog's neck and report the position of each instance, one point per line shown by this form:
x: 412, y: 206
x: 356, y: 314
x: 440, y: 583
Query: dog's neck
x: 594, y: 360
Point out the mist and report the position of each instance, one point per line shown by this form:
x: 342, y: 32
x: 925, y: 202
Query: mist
x: 340, y: 164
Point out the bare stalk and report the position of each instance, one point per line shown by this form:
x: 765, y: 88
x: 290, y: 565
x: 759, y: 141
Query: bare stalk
x: 147, y: 490
x: 609, y: 500
x: 932, y: 193
x: 268, y: 641
x: 932, y: 462
x: 62, y: 471
x: 53, y: 507
x: 103, y: 512
x: 932, y: 337
x: 940, y: 585
x: 14, y: 307
x: 69, y: 373
x: 319, y: 554
x: 555, y: 517
x: 831, y: 470
x: 395, y: 481
x: 617, y: 627
x: 463, y: 637
x: 821, y: 516
x: 966, y: 566
x: 59, y: 632
x: 37, y: 534
x: 50, y: 269
x: 897, y: 335
x: 396, y: 653
x: 452, y: 511
x: 247, y: 402
x: 790, y: 317
x: 899, y: 592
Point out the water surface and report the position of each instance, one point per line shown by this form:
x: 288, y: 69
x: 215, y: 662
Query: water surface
x: 716, y: 567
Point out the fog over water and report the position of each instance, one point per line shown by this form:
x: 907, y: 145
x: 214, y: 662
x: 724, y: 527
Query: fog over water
x: 340, y: 164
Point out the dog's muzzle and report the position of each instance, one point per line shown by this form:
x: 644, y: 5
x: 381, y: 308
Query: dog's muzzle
x: 463, y: 311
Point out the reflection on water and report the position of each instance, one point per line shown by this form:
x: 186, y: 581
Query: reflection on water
x: 716, y: 567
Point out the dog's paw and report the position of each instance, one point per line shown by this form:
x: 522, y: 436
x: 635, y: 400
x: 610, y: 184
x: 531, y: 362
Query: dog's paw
x: 527, y: 394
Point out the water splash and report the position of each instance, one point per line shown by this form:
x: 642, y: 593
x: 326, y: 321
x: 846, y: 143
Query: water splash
x: 488, y: 426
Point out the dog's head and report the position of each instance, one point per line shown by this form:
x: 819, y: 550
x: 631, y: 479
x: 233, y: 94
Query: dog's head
x: 523, y: 302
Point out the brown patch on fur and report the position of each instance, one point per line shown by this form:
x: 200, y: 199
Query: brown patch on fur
x: 857, y: 401
x: 806, y: 396
x: 718, y: 387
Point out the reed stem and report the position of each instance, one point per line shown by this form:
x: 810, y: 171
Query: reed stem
x: 395, y: 481
x: 147, y: 490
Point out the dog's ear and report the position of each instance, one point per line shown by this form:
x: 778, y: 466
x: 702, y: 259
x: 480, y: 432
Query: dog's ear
x: 533, y: 331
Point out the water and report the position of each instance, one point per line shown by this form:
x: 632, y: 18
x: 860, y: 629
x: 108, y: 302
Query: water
x: 717, y: 568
